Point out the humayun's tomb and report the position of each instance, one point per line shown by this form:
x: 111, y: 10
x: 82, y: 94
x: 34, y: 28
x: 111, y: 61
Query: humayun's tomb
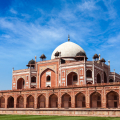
x: 67, y: 84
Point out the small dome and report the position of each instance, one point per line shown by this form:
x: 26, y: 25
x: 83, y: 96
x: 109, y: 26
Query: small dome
x: 57, y: 54
x: 95, y: 56
x: 80, y: 54
x: 31, y: 62
x: 42, y: 56
x: 102, y: 60
x: 68, y: 50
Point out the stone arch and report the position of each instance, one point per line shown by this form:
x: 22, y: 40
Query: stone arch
x: 98, y: 78
x: 20, y: 83
x: 53, y: 101
x: 66, y: 101
x: 105, y: 78
x: 89, y: 74
x: 33, y: 79
x: 20, y: 102
x: 80, y: 100
x: 10, y: 102
x: 112, y: 99
x: 72, y: 78
x: 2, y: 102
x: 43, y: 76
x: 111, y: 80
x: 95, y: 100
x: 41, y: 101
x: 30, y: 101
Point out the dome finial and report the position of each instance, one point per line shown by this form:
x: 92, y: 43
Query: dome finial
x: 68, y: 37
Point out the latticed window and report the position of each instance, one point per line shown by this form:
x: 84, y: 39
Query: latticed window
x: 89, y: 73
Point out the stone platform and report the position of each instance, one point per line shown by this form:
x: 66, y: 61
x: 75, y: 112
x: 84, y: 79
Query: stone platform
x: 63, y: 112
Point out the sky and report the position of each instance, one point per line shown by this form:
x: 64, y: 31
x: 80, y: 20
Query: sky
x: 34, y: 27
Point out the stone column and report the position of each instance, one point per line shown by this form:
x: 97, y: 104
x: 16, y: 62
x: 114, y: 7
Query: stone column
x: 87, y: 98
x: 47, y: 100
x: 5, y: 101
x: 103, y: 98
x: 59, y: 99
x: 72, y: 99
x: 15, y: 99
x: 25, y: 103
x: 35, y: 100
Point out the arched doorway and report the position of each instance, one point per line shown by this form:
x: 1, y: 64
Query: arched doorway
x: 89, y: 74
x: 80, y: 100
x: 72, y: 78
x: 30, y: 101
x: 20, y: 102
x: 95, y: 100
x: 66, y: 101
x: 98, y: 78
x: 53, y: 101
x: 10, y: 102
x: 2, y: 102
x: 105, y: 78
x: 112, y: 99
x: 41, y: 101
x: 20, y: 83
x: 111, y: 80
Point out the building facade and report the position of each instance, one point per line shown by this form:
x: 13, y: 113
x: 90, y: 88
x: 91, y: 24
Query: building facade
x: 68, y: 80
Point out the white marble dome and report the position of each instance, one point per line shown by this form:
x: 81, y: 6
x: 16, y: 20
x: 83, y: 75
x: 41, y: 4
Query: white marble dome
x: 67, y: 49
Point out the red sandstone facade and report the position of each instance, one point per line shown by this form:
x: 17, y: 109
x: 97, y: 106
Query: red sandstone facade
x: 63, y: 83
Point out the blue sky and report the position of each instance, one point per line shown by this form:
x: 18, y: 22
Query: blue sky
x: 34, y: 27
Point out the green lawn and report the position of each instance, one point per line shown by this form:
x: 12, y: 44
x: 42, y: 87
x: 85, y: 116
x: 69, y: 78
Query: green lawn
x: 38, y: 117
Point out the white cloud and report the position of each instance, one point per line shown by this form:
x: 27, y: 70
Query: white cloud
x: 13, y: 11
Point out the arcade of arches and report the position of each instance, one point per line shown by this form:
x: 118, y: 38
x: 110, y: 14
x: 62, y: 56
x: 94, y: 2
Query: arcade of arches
x: 66, y: 101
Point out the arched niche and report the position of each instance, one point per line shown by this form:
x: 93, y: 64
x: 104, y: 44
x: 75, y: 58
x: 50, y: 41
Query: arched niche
x: 20, y: 83
x: 30, y: 101
x: 41, y: 101
x: 53, y: 101
x: 105, y: 78
x: 2, y: 102
x: 10, y: 102
x: 20, y: 102
x: 112, y: 99
x: 66, y: 101
x: 80, y: 100
x: 98, y: 78
x: 95, y: 100
x: 72, y: 78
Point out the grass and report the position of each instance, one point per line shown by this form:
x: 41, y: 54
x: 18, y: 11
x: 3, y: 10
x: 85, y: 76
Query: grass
x: 40, y: 117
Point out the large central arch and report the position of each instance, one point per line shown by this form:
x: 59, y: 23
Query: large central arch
x: 66, y: 101
x: 20, y: 83
x: 72, y: 78
x: 43, y: 78
x: 53, y: 101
